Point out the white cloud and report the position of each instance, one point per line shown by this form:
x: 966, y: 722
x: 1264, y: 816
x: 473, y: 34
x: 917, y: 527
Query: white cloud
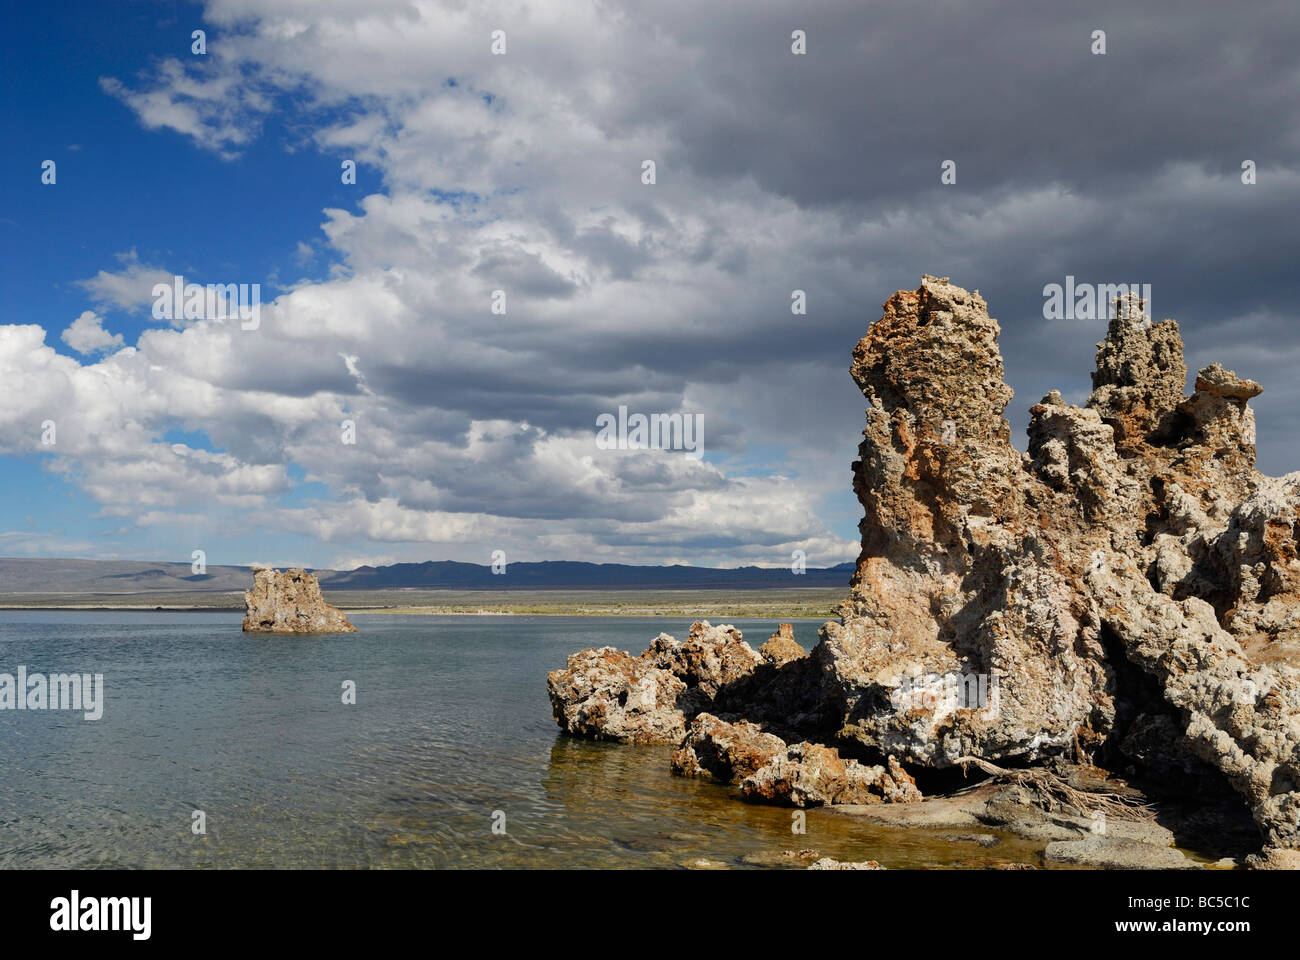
x: 30, y: 543
x: 128, y: 288
x: 472, y: 429
x: 208, y: 103
x: 476, y: 430
x: 87, y: 335
x: 163, y: 518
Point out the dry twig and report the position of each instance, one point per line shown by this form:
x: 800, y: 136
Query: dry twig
x: 1052, y: 791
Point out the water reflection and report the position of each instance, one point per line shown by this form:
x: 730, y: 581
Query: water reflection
x: 452, y: 728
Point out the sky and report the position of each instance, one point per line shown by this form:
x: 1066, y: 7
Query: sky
x: 522, y: 170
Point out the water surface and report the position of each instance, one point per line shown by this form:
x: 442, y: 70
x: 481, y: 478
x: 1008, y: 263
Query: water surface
x: 451, y: 729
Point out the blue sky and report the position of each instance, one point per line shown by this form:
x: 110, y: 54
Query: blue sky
x: 123, y: 191
x: 136, y: 199
x: 123, y: 188
x: 521, y: 172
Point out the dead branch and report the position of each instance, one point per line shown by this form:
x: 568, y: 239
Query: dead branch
x: 1052, y: 791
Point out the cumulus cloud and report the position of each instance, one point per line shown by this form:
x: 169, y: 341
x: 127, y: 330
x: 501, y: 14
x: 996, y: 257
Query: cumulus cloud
x: 521, y: 173
x: 87, y: 334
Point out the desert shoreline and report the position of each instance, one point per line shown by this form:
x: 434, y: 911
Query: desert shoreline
x: 809, y: 603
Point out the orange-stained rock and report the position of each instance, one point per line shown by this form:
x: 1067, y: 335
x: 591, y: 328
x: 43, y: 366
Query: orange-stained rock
x: 727, y: 752
x: 809, y: 775
x: 782, y: 647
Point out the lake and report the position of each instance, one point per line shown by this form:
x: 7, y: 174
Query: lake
x: 451, y: 733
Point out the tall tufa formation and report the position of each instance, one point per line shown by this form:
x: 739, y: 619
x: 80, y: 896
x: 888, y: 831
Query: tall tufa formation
x: 290, y: 602
x: 950, y: 579
x: 1126, y: 592
x: 1130, y: 585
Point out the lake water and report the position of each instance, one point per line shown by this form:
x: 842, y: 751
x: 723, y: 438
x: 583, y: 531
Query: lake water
x: 451, y: 729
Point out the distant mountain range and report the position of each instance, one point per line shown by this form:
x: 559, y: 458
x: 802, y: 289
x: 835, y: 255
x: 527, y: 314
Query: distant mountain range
x: 41, y: 576
x: 572, y: 575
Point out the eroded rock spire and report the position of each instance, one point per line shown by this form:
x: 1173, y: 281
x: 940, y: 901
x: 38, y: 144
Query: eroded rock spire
x: 1126, y: 592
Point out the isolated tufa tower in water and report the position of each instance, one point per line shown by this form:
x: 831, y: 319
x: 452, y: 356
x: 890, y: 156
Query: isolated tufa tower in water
x: 290, y: 602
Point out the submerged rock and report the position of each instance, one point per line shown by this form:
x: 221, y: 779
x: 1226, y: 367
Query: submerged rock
x: 290, y: 602
x: 829, y: 863
x: 809, y: 775
x: 769, y: 770
x: 788, y: 859
x: 979, y: 839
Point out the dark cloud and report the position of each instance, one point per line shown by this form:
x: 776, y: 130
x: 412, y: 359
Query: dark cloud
x: 775, y: 172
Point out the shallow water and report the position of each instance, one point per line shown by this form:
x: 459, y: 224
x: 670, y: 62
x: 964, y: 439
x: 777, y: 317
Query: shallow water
x: 451, y: 729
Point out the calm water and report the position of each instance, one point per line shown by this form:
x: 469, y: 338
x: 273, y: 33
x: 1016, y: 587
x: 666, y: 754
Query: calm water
x: 451, y: 724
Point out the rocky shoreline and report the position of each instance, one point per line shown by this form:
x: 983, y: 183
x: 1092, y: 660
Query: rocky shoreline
x: 1099, y: 628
